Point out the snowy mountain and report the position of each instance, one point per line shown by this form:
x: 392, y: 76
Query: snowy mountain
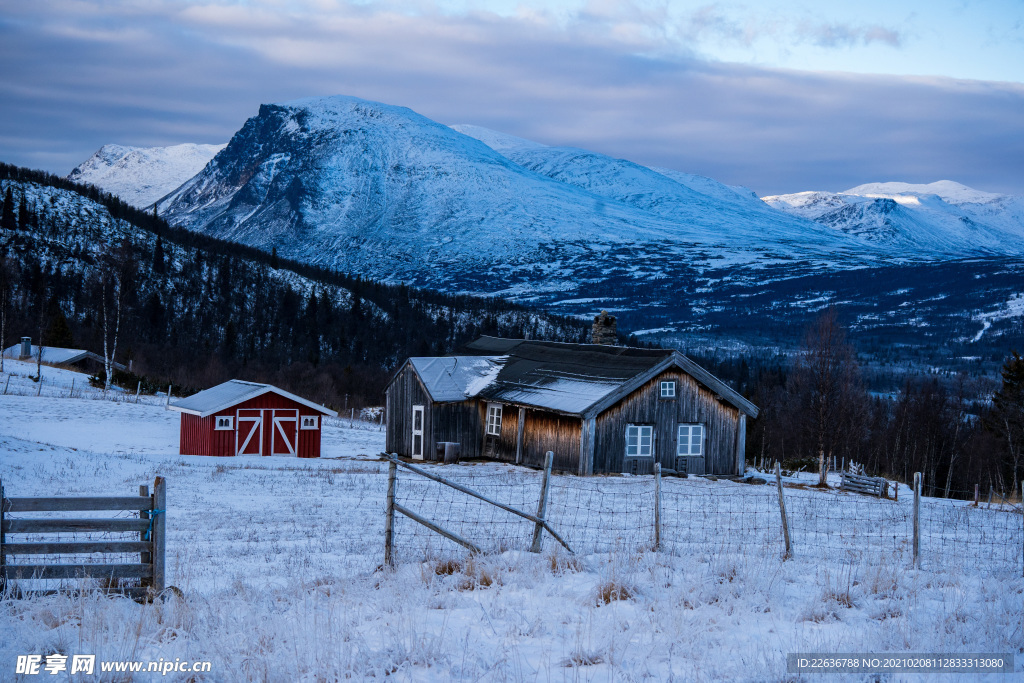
x: 381, y: 190
x: 142, y: 175
x: 942, y: 217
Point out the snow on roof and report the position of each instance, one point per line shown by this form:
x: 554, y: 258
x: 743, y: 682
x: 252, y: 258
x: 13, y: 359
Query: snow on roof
x: 456, y: 378
x: 233, y: 392
x: 57, y: 356
x: 567, y: 378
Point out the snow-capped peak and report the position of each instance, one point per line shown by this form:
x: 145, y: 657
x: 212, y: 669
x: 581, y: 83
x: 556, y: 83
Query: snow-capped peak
x: 142, y: 175
x: 950, y: 191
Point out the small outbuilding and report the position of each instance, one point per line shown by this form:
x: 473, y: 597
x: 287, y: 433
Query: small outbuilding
x: 249, y: 418
x: 599, y: 408
x: 76, y: 359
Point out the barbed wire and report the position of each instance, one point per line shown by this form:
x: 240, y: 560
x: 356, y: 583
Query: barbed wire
x: 702, y: 518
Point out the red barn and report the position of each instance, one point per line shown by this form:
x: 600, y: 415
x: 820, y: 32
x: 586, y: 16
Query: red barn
x: 248, y: 418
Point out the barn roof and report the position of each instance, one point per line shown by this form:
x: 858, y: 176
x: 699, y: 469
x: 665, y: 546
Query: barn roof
x: 233, y: 392
x: 579, y: 379
x: 58, y: 356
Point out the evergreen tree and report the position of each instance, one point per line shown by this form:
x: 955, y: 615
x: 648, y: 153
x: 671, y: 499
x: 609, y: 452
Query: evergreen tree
x: 1007, y: 417
x: 58, y: 331
x: 158, y: 255
x: 23, y: 216
x: 7, y: 220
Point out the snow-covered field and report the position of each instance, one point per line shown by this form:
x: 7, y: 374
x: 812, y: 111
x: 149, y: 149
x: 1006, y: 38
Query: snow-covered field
x: 277, y: 560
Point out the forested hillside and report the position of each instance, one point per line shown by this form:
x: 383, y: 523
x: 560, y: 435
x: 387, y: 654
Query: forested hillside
x: 195, y: 311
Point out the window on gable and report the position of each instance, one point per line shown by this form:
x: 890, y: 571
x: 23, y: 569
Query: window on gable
x: 639, y: 441
x: 224, y: 423
x: 668, y: 389
x: 691, y: 440
x: 494, y: 419
x: 310, y: 422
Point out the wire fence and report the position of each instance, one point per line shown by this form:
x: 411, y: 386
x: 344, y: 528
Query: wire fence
x: 701, y: 518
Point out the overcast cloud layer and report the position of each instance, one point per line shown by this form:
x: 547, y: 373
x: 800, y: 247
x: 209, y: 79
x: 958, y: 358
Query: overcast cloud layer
x: 156, y: 72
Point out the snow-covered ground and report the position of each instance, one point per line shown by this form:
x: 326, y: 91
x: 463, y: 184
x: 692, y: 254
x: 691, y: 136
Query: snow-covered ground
x: 277, y: 560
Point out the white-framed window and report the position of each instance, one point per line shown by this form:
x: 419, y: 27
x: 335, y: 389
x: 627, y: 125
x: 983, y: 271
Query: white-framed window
x: 310, y: 422
x: 691, y: 440
x: 639, y: 441
x: 494, y: 419
x: 224, y: 423
x: 668, y: 389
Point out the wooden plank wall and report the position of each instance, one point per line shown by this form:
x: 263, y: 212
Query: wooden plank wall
x: 545, y: 432
x: 402, y: 394
x: 459, y: 423
x: 692, y: 404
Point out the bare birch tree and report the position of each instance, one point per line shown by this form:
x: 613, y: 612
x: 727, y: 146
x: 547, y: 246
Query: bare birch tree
x: 827, y: 387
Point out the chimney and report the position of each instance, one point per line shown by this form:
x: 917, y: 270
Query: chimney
x: 26, y: 348
x: 604, y: 330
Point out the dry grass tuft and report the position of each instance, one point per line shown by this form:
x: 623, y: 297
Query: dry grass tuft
x: 610, y: 591
x: 564, y: 564
x: 447, y: 567
x: 582, y: 659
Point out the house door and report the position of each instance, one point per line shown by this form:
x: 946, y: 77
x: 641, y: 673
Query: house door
x: 417, y: 432
x: 285, y: 437
x: 249, y: 432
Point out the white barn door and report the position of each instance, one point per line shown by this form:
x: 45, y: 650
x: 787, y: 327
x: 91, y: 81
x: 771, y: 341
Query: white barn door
x: 285, y: 438
x: 249, y: 432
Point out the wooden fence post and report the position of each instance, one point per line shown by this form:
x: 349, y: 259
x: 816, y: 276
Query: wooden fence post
x: 657, y: 506
x: 138, y: 390
x: 8, y: 384
x: 917, y: 520
x: 145, y: 557
x: 159, y: 538
x: 977, y: 494
x: 389, y: 519
x: 72, y: 394
x: 168, y: 401
x: 3, y: 560
x: 782, y: 509
x: 1021, y: 517
x: 990, y: 496
x: 351, y: 417
x: 39, y: 388
x: 542, y: 506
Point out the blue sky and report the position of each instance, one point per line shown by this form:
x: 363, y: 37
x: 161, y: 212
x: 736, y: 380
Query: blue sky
x: 780, y: 97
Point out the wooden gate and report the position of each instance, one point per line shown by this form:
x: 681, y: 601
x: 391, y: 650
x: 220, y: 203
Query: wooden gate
x: 141, y: 579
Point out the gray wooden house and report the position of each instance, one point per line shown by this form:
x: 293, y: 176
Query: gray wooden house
x: 599, y: 408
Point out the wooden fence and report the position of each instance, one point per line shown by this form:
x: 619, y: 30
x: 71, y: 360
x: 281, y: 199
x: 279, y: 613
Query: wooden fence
x: 142, y: 579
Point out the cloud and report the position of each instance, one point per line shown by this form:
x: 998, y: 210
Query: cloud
x: 838, y: 35
x: 194, y: 73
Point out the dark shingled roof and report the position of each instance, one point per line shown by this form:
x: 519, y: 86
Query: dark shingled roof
x: 580, y: 379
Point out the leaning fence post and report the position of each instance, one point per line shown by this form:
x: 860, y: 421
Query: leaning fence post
x: 159, y: 537
x: 542, y: 506
x: 782, y: 509
x: 389, y: 519
x: 657, y: 506
x: 917, y: 520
